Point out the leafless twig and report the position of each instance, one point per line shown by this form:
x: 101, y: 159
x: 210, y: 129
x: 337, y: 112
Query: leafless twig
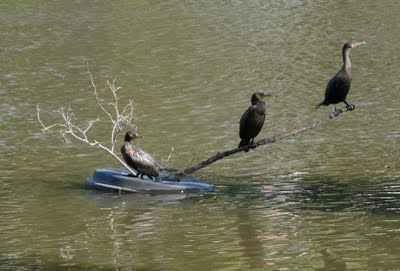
x: 124, y: 118
x: 167, y: 162
x: 118, y: 119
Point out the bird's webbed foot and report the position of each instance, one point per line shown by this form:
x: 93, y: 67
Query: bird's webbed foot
x: 350, y: 107
x: 337, y: 111
x: 153, y: 178
x: 252, y: 144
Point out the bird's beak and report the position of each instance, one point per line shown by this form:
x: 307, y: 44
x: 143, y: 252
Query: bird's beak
x: 266, y: 96
x: 138, y: 136
x: 355, y: 44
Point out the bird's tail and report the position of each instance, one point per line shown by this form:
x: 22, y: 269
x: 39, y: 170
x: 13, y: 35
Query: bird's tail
x: 318, y: 105
x: 244, y: 142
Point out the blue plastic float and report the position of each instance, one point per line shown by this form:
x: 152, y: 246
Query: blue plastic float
x: 118, y: 179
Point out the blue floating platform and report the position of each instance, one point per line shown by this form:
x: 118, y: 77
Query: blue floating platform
x: 118, y: 179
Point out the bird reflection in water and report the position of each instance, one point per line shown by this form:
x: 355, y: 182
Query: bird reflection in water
x: 331, y: 261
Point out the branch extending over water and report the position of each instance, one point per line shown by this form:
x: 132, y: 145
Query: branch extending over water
x: 260, y: 142
x: 119, y: 118
x: 124, y: 117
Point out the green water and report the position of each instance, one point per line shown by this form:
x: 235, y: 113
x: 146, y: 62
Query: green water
x: 325, y: 200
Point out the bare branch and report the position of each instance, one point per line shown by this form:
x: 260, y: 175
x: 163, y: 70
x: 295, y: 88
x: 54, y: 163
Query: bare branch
x: 128, y: 114
x: 45, y: 128
x: 69, y: 128
x: 125, y: 118
x: 167, y: 162
x: 98, y: 98
x: 264, y: 141
x: 90, y: 124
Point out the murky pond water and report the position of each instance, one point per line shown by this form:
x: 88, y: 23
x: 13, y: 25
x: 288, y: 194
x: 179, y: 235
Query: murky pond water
x: 325, y: 200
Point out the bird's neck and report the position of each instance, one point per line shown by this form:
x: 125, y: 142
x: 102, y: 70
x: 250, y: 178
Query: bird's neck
x: 346, y: 59
x: 261, y: 104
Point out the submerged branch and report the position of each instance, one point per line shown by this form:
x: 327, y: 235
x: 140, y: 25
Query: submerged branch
x: 260, y: 142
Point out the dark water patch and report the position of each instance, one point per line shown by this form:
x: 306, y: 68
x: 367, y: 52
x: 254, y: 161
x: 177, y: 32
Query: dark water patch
x: 372, y: 195
x: 377, y: 194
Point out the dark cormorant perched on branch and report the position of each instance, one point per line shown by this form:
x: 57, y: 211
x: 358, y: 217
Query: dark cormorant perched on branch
x: 339, y: 85
x: 140, y: 160
x: 252, y: 119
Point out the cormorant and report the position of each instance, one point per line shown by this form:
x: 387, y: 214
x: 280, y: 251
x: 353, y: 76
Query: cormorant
x: 252, y: 119
x: 138, y: 159
x: 339, y: 85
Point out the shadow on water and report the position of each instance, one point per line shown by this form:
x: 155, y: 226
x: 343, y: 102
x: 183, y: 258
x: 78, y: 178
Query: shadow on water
x: 138, y: 200
x: 11, y: 265
x: 328, y: 212
x: 374, y: 195
x: 298, y: 220
x: 307, y: 192
x: 266, y: 221
x: 331, y: 261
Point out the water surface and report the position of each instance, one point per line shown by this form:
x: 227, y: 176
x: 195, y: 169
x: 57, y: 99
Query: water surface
x: 325, y: 200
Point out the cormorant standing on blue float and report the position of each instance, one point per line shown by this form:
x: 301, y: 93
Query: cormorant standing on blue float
x: 140, y: 160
